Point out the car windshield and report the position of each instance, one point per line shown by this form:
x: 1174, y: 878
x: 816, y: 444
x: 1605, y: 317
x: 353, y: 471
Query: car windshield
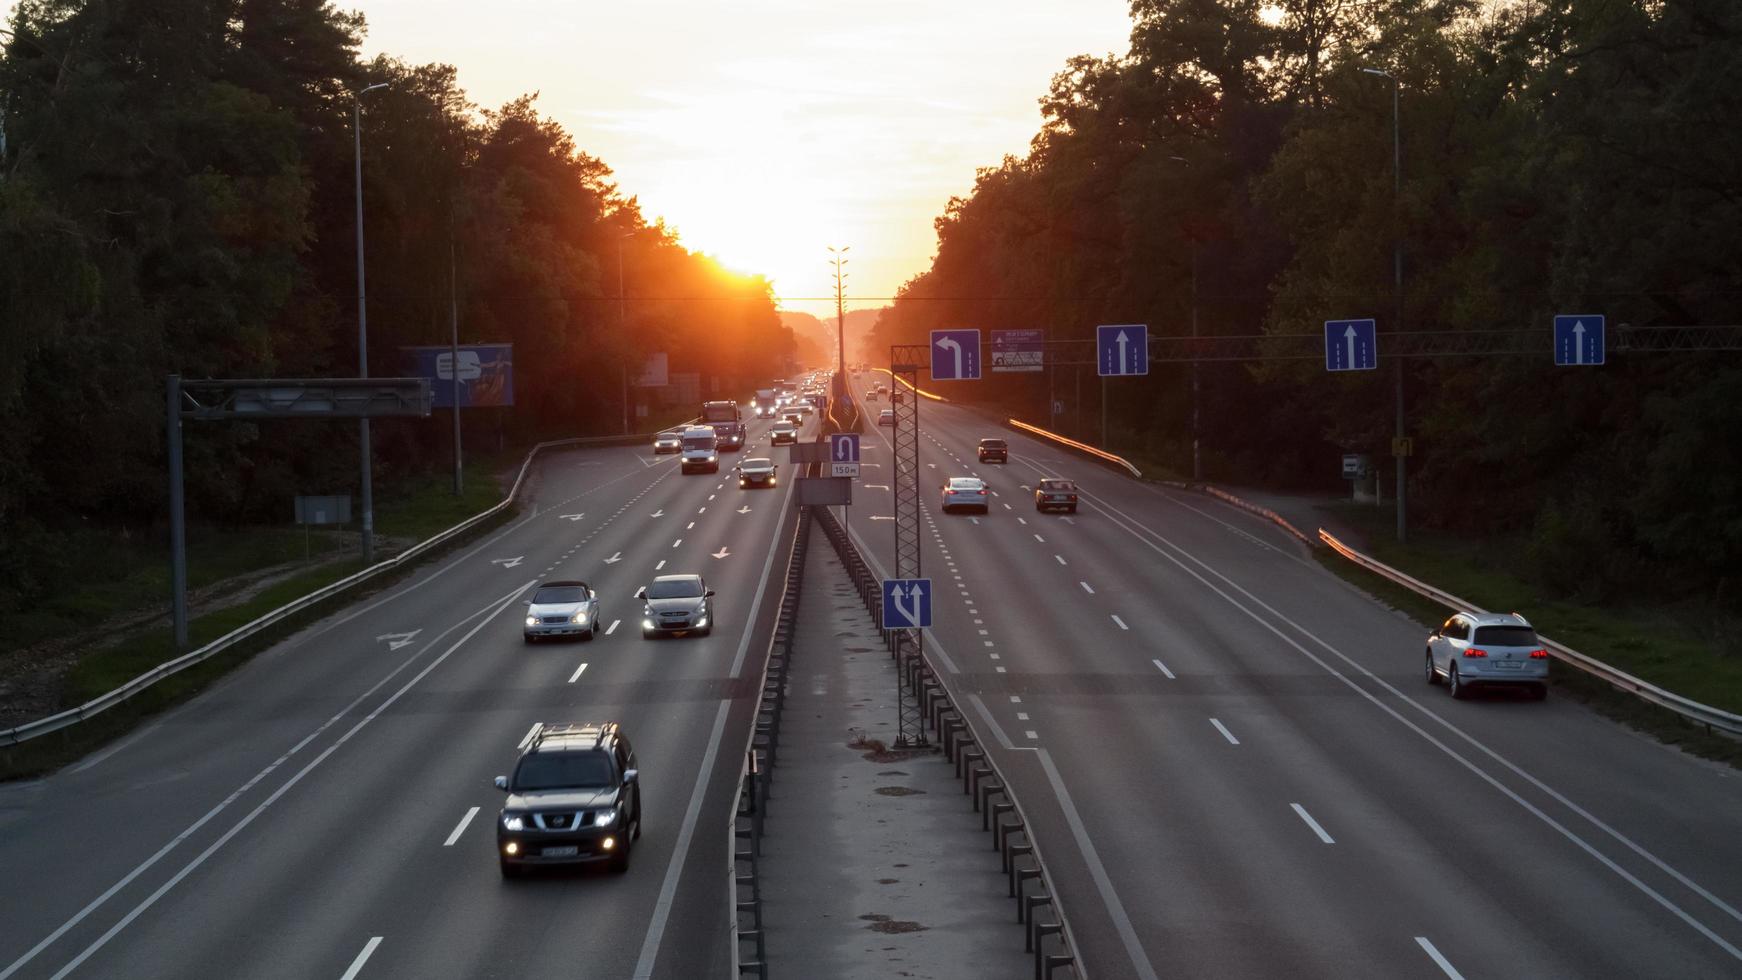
x: 1056, y: 485
x: 668, y: 435
x: 552, y: 594
x: 964, y: 483
x: 991, y: 443
x: 683, y: 588
x: 758, y: 463
x: 563, y: 770
x: 699, y: 442
x: 1506, y: 636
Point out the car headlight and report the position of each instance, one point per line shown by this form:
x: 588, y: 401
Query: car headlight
x: 701, y: 621
x: 513, y: 821
x: 647, y: 624
x: 532, y: 620
x: 604, y: 818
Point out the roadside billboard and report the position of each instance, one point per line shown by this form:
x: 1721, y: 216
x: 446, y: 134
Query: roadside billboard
x: 486, y: 374
x: 1018, y: 350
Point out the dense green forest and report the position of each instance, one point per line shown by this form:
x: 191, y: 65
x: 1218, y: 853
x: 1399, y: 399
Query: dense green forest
x: 176, y: 195
x: 1557, y: 156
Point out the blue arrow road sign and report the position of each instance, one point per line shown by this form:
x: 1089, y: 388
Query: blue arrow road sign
x: 1351, y: 345
x: 844, y: 447
x: 1579, y: 339
x: 1122, y: 348
x: 906, y: 603
x: 955, y: 355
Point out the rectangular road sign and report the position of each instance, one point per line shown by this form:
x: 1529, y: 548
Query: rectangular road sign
x: 1122, y: 349
x: 844, y: 469
x: 1018, y: 350
x: 906, y: 603
x: 485, y: 374
x: 824, y: 491
x: 955, y: 355
x: 1351, y: 345
x: 1579, y: 339
x: 844, y: 447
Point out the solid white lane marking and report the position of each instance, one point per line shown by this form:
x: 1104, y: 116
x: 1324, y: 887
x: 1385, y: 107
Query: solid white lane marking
x: 362, y: 958
x: 1086, y: 588
x: 1310, y: 822
x: 1121, y: 623
x: 674, y: 870
x: 1163, y: 668
x: 489, y: 613
x: 1098, y: 871
x: 1231, y: 739
x: 577, y: 674
x: 1439, y: 961
x: 613, y: 627
x: 461, y: 827
x: 526, y: 739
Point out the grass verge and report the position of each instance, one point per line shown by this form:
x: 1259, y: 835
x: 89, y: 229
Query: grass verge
x: 1680, y: 650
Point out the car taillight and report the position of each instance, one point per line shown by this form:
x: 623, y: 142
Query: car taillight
x: 1475, y: 652
x: 1072, y: 498
x: 952, y: 492
x: 1539, y: 654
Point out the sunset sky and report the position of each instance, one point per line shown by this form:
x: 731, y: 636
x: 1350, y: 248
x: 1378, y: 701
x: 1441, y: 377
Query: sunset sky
x: 765, y: 130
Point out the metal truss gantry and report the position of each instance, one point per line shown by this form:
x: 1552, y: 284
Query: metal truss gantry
x: 905, y: 363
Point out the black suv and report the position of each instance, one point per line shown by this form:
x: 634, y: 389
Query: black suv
x: 994, y: 451
x: 574, y: 798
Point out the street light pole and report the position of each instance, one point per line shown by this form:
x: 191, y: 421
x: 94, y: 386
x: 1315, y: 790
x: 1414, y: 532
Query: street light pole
x: 622, y: 332
x: 1197, y: 458
x: 840, y: 310
x: 363, y: 327
x: 1397, y: 277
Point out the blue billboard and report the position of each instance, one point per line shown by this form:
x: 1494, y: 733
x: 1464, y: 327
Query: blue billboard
x: 486, y: 374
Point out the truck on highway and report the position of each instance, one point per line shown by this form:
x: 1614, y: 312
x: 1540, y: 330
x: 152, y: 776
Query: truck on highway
x: 727, y: 422
x: 766, y: 401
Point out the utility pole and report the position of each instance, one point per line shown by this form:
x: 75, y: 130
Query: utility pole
x: 454, y: 355
x: 1397, y: 278
x: 363, y: 327
x: 622, y: 331
x: 1197, y: 456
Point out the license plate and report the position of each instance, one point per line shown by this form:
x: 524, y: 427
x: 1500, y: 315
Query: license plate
x: 1507, y: 664
x: 561, y: 852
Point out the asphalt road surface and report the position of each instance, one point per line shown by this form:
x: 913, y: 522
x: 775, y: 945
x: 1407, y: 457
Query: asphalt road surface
x: 327, y: 810
x: 1235, y: 766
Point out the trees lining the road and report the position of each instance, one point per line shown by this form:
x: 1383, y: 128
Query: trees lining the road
x: 1558, y: 156
x: 176, y: 196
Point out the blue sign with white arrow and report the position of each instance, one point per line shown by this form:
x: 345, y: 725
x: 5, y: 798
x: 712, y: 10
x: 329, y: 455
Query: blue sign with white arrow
x: 955, y: 355
x: 844, y: 447
x: 1121, y: 349
x: 1351, y: 345
x: 1579, y: 339
x: 906, y: 603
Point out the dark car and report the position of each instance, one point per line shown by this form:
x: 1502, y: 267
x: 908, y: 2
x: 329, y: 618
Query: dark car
x: 574, y: 798
x: 676, y: 604
x: 1054, y: 492
x: 994, y: 451
x: 757, y: 471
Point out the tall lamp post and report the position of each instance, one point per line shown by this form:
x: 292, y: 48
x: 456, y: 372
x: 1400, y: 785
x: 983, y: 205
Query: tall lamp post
x: 1197, y: 457
x: 363, y: 327
x: 623, y: 329
x: 840, y: 259
x: 1397, y: 274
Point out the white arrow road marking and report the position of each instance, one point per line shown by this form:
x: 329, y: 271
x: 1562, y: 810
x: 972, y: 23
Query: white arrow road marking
x: 744, y: 509
x: 722, y: 553
x: 879, y: 517
x: 362, y: 958
x: 614, y: 559
x: 397, y: 640
x: 875, y: 486
x: 657, y: 513
x: 464, y: 822
x: 572, y: 517
x: 508, y: 562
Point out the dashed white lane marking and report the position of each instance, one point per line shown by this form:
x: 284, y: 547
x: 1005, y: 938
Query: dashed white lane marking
x: 1006, y: 506
x: 362, y: 958
x: 530, y: 732
x: 984, y: 632
x: 1023, y: 521
x: 677, y: 542
x: 999, y: 669
x: 1314, y: 824
x: 1439, y: 961
x: 460, y: 828
x: 1040, y: 539
x: 1031, y: 734
x: 988, y: 642
x: 660, y: 565
x: 1061, y: 559
x: 1163, y: 668
x: 1121, y: 623
x: 613, y: 627
x: 691, y: 526
x: 1020, y: 716
x: 1015, y: 699
x: 1229, y: 736
x: 1086, y: 588
x: 577, y: 674
x: 994, y: 656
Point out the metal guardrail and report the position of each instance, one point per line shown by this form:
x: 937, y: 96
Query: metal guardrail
x: 1070, y: 443
x: 1714, y: 719
x: 102, y: 703
x: 1250, y: 507
x: 929, y: 396
x: 980, y: 775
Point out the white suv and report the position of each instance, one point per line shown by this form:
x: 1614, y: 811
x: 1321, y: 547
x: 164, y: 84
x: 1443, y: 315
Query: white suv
x: 1487, y: 649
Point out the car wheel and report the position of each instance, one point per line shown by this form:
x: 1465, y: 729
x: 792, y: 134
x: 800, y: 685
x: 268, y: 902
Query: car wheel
x: 1538, y: 692
x: 620, y: 860
x: 1458, y: 688
x: 1433, y: 676
x: 509, y: 870
x: 589, y: 634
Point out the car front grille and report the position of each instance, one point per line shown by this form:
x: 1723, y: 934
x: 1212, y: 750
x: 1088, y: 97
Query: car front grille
x: 553, y: 620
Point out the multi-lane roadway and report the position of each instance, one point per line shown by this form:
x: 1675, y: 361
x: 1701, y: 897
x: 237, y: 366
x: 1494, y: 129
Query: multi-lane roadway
x: 1235, y: 767
x: 327, y: 810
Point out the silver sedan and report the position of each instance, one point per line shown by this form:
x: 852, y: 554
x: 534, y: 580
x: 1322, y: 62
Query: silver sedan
x: 562, y: 609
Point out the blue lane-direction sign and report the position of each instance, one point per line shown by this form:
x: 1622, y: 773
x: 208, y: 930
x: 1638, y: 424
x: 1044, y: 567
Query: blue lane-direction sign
x: 955, y: 355
x: 1121, y: 349
x: 906, y: 603
x: 1579, y: 339
x: 844, y: 447
x: 1351, y: 345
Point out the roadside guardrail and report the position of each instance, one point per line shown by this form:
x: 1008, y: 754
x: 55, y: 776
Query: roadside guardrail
x: 102, y: 703
x: 1001, y: 815
x: 1081, y: 447
x: 1714, y: 719
x: 929, y: 396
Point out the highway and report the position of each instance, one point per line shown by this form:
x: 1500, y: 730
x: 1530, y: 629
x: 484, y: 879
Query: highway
x: 1235, y: 767
x: 327, y: 809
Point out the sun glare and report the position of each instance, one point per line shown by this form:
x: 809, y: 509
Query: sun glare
x: 1272, y: 15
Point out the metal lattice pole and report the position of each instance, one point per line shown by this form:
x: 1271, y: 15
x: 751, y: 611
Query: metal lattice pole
x: 904, y: 484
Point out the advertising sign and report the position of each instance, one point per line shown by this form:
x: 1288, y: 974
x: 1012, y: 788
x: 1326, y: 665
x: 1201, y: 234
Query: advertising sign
x: 1018, y: 350
x: 654, y: 373
x: 486, y: 374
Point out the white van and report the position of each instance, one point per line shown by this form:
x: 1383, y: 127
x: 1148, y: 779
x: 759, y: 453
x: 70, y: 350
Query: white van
x: 700, y: 449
